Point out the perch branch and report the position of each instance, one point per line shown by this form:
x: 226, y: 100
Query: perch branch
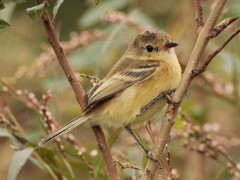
x: 171, y: 111
x: 221, y: 26
x: 79, y: 92
x: 213, y: 54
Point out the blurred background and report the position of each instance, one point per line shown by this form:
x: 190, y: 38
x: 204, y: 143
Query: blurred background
x: 205, y: 141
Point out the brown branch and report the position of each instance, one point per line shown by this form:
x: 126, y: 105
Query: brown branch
x: 61, y: 56
x: 213, y: 54
x: 221, y: 26
x: 199, y: 14
x: 171, y: 112
x: 79, y: 92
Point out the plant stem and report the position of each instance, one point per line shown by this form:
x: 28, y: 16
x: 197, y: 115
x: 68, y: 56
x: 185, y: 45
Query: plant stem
x: 79, y: 92
x: 171, y: 112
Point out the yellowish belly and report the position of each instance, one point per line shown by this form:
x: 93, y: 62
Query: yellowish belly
x: 123, y: 109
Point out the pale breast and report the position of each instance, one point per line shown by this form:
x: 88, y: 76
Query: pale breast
x: 123, y: 108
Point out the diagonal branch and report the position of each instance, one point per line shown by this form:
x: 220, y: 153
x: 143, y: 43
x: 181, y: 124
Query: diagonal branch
x: 213, y: 54
x: 171, y: 112
x: 221, y: 26
x: 79, y: 92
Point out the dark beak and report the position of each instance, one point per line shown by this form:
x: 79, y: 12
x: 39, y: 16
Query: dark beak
x: 171, y: 44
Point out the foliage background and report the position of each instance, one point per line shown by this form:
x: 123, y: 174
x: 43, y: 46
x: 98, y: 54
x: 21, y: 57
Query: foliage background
x: 218, y: 114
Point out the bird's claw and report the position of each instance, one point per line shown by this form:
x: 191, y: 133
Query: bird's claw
x: 169, y: 100
x: 149, y: 156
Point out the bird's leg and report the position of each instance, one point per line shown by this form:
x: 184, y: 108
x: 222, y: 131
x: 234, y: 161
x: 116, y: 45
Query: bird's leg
x: 163, y: 94
x: 145, y: 108
x: 147, y: 151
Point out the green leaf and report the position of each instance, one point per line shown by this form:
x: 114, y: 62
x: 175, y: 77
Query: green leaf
x: 5, y: 133
x: 69, y: 168
x: 3, y: 25
x: 56, y: 7
x: 11, y: 136
x: 18, y: 160
x: 49, y: 161
x: 35, y: 12
x: 97, y: 2
x: 232, y: 13
x: 46, y: 153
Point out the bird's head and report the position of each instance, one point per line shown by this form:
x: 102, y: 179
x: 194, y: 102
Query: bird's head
x: 151, y: 44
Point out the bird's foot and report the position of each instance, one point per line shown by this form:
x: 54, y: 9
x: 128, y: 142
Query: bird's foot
x: 149, y: 156
x: 169, y: 99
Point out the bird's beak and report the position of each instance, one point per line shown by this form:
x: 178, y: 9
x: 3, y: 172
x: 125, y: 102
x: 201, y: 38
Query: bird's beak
x: 171, y: 44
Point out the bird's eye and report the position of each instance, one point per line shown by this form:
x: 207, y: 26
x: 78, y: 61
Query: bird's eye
x: 149, y: 48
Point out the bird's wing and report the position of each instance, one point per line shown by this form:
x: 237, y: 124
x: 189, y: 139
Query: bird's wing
x: 121, y: 80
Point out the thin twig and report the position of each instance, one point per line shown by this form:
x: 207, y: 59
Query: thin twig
x: 79, y: 92
x: 213, y: 54
x: 13, y: 121
x: 61, y: 56
x: 127, y: 165
x: 93, y: 79
x: 149, y: 130
x: 171, y: 112
x: 200, y: 141
x: 221, y: 26
x: 47, y: 58
x: 199, y: 14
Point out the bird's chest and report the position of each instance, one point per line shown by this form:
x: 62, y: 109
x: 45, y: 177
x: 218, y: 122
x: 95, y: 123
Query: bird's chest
x: 126, y: 106
x: 160, y: 81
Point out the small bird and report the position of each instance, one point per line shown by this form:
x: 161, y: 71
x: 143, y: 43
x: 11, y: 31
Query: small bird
x: 136, y: 88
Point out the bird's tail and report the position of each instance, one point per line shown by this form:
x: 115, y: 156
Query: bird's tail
x: 64, y: 129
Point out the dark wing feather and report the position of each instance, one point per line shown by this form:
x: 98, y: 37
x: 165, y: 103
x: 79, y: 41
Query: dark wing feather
x: 120, y: 81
